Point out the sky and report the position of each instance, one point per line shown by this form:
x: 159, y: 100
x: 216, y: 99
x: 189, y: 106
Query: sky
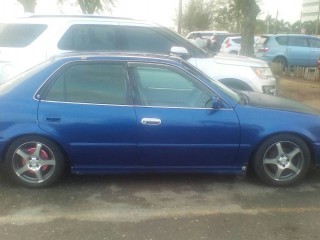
x: 159, y: 11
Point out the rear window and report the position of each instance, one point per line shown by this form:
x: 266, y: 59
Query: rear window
x: 237, y: 40
x: 263, y: 40
x: 206, y: 35
x: 20, y: 35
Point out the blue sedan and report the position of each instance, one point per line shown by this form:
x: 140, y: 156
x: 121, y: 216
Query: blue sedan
x: 119, y: 113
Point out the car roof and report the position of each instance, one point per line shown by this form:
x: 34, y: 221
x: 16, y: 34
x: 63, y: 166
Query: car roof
x: 233, y: 37
x: 118, y: 56
x: 209, y: 32
x: 87, y: 18
x: 287, y: 35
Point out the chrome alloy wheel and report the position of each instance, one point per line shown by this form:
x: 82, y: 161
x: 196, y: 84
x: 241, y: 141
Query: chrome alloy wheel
x: 283, y: 161
x: 33, y: 162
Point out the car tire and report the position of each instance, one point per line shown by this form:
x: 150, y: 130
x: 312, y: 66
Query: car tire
x: 35, y: 162
x: 282, y: 160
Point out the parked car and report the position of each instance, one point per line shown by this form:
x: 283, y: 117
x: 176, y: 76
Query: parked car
x: 289, y: 49
x: 218, y: 39
x: 25, y: 42
x: 231, y: 45
x: 134, y: 113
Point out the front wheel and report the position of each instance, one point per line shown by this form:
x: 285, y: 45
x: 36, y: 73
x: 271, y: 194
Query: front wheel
x: 35, y: 161
x: 282, y: 160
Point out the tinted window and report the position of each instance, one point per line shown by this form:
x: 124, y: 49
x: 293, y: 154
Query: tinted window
x: 263, y: 40
x: 237, y: 40
x: 19, y: 35
x: 314, y: 42
x: 89, y: 37
x: 90, y: 83
x: 298, y: 41
x: 145, y: 39
x: 160, y: 86
x: 282, y: 41
x: 206, y: 35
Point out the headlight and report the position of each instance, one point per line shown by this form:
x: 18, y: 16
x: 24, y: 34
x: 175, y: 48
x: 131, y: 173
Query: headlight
x: 263, y: 72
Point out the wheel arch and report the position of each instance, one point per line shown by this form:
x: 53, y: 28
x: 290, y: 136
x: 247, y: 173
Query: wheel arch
x: 304, y: 138
x: 233, y: 83
x: 35, y: 135
x: 281, y: 57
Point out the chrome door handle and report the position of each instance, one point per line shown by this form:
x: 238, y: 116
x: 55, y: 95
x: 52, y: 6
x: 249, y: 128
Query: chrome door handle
x: 151, y: 121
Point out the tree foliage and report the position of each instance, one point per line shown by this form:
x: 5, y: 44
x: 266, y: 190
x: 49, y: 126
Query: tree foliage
x: 92, y: 6
x: 197, y: 15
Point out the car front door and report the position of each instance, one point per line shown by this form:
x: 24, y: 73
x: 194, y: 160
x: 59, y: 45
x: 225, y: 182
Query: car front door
x: 177, y: 126
x: 315, y: 51
x: 88, y: 107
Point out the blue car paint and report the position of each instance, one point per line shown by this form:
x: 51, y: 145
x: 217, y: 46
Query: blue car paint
x: 306, y: 56
x: 108, y: 139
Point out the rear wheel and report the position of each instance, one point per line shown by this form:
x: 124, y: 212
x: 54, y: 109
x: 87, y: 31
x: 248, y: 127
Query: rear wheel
x: 35, y: 161
x: 282, y: 160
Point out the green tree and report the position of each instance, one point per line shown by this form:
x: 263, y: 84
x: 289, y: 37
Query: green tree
x: 28, y: 5
x: 222, y: 19
x: 261, y: 27
x: 309, y: 27
x: 235, y: 13
x: 296, y: 27
x: 197, y: 15
x: 94, y: 6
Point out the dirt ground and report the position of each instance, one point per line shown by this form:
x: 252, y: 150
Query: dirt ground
x: 304, y: 91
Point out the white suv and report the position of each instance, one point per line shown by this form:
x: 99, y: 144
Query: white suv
x: 25, y: 42
x: 231, y: 45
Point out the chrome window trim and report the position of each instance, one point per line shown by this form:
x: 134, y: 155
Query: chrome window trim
x: 84, y: 103
x: 140, y: 106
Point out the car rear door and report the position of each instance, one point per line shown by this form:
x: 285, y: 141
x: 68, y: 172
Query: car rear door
x: 298, y: 51
x: 176, y: 124
x: 88, y: 107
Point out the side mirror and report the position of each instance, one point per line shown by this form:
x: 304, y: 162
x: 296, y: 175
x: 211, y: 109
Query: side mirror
x: 216, y: 102
x: 179, y: 51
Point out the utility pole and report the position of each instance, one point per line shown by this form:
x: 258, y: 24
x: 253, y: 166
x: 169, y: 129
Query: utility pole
x: 317, y: 24
x: 276, y: 23
x: 180, y: 16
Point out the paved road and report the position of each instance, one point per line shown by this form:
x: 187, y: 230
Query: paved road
x: 161, y: 207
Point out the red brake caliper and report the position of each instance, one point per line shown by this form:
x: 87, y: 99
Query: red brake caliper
x: 43, y: 155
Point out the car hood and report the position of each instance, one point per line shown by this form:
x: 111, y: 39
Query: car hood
x: 231, y: 59
x: 279, y: 103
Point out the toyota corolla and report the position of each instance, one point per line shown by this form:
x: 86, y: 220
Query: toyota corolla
x: 121, y: 113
